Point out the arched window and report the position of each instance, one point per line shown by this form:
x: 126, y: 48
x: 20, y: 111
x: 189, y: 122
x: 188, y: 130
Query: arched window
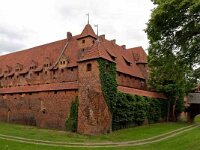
x: 89, y: 67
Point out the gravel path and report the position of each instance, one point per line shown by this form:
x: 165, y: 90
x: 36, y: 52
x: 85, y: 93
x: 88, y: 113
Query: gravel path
x: 150, y: 140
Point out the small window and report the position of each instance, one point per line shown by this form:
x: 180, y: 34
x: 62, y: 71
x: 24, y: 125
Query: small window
x: 54, y: 72
x: 72, y: 69
x: 89, y: 67
x: 44, y: 111
x: 83, y: 41
x: 55, y: 92
x: 38, y: 73
x: 93, y: 41
x: 45, y: 72
x: 107, y: 67
x: 63, y: 62
x: 62, y: 70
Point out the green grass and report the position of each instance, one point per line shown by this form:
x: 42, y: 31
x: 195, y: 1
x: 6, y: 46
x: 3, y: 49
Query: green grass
x: 120, y: 135
x: 188, y: 140
x: 197, y: 119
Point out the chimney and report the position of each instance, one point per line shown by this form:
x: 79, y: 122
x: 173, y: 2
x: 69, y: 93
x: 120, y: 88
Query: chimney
x: 113, y: 41
x: 123, y: 46
x: 69, y: 35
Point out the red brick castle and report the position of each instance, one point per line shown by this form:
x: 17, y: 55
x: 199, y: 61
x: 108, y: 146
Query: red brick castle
x: 37, y: 85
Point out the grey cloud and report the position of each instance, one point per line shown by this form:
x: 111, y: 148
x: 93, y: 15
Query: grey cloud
x: 11, y: 40
x: 11, y: 33
x: 9, y: 46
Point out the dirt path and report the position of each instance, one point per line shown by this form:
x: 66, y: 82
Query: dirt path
x: 151, y: 140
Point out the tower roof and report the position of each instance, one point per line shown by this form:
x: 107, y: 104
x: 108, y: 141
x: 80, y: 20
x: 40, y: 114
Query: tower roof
x: 88, y: 31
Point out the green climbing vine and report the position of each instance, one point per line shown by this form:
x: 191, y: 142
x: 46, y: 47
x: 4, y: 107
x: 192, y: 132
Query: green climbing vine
x: 72, y: 120
x: 108, y: 82
x: 127, y: 110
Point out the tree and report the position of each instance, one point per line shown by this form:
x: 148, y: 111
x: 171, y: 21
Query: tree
x: 174, y: 36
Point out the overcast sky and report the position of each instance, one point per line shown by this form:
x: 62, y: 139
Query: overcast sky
x: 28, y: 23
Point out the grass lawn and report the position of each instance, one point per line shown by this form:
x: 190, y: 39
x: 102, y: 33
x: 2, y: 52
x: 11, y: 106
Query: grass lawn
x: 120, y: 135
x: 186, y: 141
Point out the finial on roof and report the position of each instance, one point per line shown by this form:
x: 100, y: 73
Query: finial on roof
x: 88, y: 15
x: 97, y: 26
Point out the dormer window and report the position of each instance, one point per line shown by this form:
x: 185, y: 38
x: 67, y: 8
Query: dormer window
x: 47, y: 62
x: 33, y: 65
x: 18, y: 67
x: 46, y: 65
x: 128, y: 63
x: 63, y: 61
x: 8, y: 69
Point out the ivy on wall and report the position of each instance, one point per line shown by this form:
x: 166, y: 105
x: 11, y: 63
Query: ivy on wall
x: 128, y: 110
x: 133, y: 110
x: 72, y: 120
x: 108, y: 82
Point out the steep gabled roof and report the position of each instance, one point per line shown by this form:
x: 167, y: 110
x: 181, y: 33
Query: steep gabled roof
x: 139, y: 54
x: 88, y: 31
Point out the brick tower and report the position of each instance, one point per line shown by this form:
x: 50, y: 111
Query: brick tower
x: 94, y: 116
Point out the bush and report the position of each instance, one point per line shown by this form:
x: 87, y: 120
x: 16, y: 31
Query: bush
x: 72, y: 120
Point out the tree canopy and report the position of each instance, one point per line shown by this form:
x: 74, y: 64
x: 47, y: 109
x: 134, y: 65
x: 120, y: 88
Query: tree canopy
x: 174, y: 52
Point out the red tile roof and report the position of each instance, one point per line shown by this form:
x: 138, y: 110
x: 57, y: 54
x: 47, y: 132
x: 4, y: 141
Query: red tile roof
x: 141, y: 92
x: 88, y: 31
x: 39, y: 88
x: 139, y: 54
x: 103, y: 49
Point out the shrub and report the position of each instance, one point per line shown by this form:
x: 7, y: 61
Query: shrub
x: 72, y: 120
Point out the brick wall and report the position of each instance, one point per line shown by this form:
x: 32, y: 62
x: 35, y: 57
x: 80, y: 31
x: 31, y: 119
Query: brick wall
x: 42, y: 77
x: 86, y: 42
x: 94, y: 116
x: 44, y: 109
x: 129, y: 81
